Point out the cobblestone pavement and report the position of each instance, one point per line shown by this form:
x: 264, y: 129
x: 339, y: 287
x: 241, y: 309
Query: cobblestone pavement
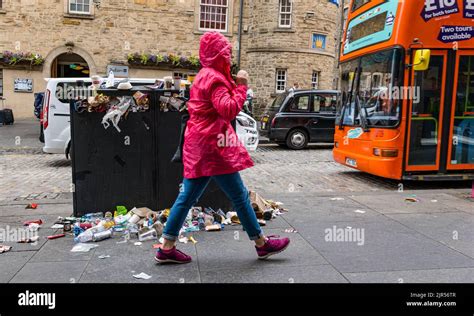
x: 277, y: 170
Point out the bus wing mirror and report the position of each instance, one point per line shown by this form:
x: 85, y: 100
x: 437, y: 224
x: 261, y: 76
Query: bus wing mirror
x: 421, y: 60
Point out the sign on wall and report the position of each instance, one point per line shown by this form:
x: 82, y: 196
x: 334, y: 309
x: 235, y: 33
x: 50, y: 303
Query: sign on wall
x: 23, y: 85
x: 118, y: 70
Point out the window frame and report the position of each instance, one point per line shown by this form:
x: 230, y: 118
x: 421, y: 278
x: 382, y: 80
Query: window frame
x: 75, y: 12
x: 1, y: 82
x: 295, y: 97
x: 318, y: 75
x: 227, y: 12
x: 281, y: 13
x: 277, y: 80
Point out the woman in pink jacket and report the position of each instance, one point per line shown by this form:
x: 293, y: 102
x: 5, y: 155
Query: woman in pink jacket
x: 212, y: 149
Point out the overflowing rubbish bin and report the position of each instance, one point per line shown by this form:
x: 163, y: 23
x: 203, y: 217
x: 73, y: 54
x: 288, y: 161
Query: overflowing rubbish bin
x: 123, y: 157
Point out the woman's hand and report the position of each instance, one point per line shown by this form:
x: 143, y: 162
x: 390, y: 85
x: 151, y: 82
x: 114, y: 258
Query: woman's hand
x: 242, y: 77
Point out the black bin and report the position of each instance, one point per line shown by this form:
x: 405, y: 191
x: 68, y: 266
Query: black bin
x: 131, y: 168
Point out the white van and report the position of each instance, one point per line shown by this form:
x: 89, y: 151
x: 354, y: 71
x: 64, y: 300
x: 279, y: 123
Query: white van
x: 56, y: 115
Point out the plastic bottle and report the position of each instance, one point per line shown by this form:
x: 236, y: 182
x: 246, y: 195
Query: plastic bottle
x: 84, y: 237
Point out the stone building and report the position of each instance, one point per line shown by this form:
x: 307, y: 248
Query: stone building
x: 281, y: 41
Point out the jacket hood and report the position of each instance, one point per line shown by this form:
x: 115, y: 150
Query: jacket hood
x: 215, y: 51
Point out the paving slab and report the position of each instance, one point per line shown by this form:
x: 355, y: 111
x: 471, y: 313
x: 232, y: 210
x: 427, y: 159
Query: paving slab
x: 50, y: 272
x: 11, y: 262
x: 463, y: 275
x: 43, y: 209
x: 233, y: 250
x: 281, y: 274
x: 396, y: 203
x: 57, y: 250
x: 388, y: 245
x: 127, y: 259
x: 455, y: 229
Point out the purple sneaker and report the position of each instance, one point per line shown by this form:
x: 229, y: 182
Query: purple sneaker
x: 272, y: 246
x: 172, y: 255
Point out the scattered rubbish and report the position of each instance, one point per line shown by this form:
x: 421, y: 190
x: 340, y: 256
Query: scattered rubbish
x: 81, y: 247
x: 33, y: 227
x: 32, y: 206
x: 104, y: 256
x: 337, y: 199
x: 67, y: 227
x: 213, y: 228
x: 142, y: 276
x: 138, y: 243
x: 411, y: 199
x: 35, y: 221
x: 56, y: 236
x: 183, y: 240
x: 262, y: 222
x: 102, y: 235
x: 359, y: 211
x: 191, y: 239
x: 5, y: 248
x: 57, y: 226
x: 290, y: 230
x: 434, y: 201
x: 28, y: 240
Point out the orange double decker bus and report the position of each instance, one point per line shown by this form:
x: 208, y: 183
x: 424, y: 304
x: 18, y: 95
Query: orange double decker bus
x: 407, y: 81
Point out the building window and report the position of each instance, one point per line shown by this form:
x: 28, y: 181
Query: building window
x: 280, y: 80
x: 318, y: 41
x: 1, y: 81
x: 285, y: 13
x: 213, y: 15
x: 315, y: 80
x: 80, y: 6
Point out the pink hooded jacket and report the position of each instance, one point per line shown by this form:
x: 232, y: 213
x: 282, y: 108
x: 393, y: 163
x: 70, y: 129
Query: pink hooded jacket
x: 211, y: 146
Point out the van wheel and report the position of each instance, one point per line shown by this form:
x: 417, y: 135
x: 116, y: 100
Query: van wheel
x: 297, y: 139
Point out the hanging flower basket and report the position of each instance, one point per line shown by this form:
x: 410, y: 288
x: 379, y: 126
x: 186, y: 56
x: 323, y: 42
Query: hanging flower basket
x: 163, y: 61
x: 12, y: 60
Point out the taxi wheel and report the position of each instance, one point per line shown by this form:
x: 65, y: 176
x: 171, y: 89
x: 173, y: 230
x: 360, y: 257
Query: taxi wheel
x: 297, y: 139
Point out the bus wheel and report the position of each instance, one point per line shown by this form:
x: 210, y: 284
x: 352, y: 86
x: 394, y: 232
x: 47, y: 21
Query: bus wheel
x: 297, y: 139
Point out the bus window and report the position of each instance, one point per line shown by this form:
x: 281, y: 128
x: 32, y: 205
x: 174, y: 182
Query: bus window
x: 463, y: 130
x: 348, y: 78
x: 358, y: 3
x: 379, y: 80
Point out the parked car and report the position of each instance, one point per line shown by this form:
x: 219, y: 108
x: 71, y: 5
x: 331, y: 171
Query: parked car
x: 56, y: 118
x: 247, y: 132
x: 298, y: 117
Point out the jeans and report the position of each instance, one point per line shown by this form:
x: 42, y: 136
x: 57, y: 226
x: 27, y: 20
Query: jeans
x: 235, y: 190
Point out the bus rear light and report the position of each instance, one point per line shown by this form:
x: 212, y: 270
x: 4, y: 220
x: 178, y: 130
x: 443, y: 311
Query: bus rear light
x: 385, y: 152
x: 389, y: 152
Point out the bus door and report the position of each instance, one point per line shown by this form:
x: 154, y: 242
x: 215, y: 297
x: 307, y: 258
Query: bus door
x: 461, y: 124
x: 425, y: 115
